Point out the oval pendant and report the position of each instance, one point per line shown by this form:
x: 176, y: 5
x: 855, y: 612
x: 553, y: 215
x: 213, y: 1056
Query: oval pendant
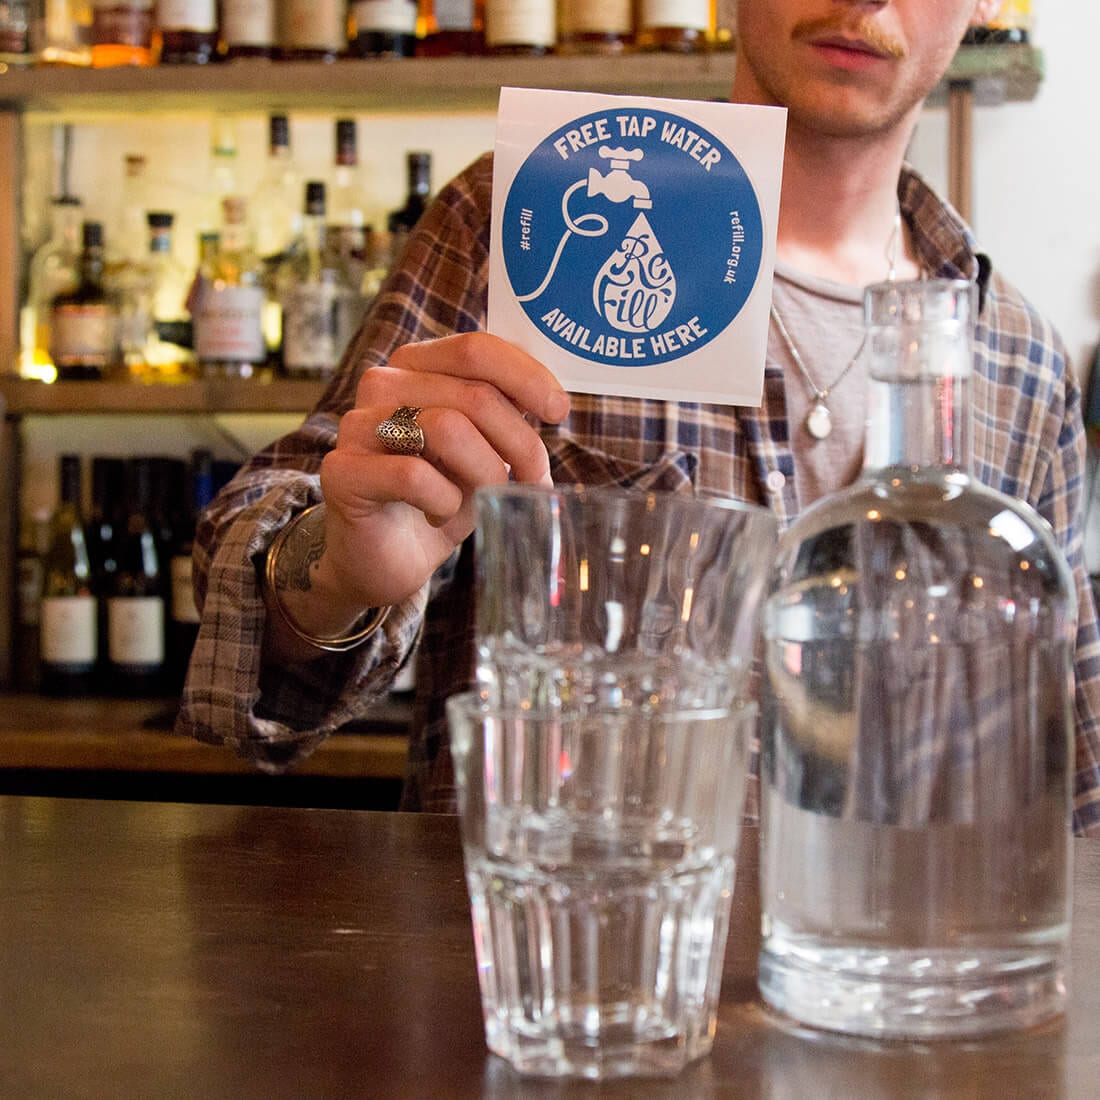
x: 819, y: 421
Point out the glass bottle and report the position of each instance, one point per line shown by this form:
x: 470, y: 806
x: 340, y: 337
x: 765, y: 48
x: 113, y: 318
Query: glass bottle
x: 382, y: 28
x: 347, y: 205
x: 83, y: 339
x: 126, y: 276
x: 34, y: 545
x: 229, y: 336
x: 248, y: 29
x: 166, y: 355
x: 67, y: 617
x: 319, y: 300
x: 595, y: 26
x: 136, y: 603
x: 188, y: 31
x: 54, y: 269
x: 1011, y: 23
x: 184, y: 615
x: 61, y: 33
x: 15, y: 33
x: 917, y: 743
x: 122, y: 33
x: 312, y: 30
x: 520, y: 27
x: 401, y: 221
x: 104, y: 530
x: 446, y: 28
x: 676, y: 25
x: 222, y: 177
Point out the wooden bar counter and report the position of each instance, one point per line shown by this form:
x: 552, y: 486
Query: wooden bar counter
x: 173, y: 950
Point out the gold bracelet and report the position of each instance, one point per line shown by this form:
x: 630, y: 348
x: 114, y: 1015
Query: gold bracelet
x: 329, y: 645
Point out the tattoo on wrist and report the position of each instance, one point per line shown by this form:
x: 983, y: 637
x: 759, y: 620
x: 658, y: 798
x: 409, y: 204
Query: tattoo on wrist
x: 303, y: 549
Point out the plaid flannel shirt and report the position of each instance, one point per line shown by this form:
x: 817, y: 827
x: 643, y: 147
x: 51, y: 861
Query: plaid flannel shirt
x: 1028, y: 442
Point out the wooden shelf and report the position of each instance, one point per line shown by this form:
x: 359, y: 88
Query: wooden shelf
x: 425, y: 85
x: 21, y: 397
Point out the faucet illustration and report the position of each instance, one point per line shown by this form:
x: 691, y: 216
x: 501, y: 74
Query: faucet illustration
x: 618, y: 185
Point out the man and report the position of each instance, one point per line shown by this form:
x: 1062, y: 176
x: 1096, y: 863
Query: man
x: 298, y: 636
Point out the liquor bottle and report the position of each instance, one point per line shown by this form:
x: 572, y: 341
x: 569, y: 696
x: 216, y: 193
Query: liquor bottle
x: 188, y: 32
x: 128, y: 234
x: 1012, y: 23
x: 319, y: 303
x: 450, y: 27
x: 125, y: 275
x: 15, y: 34
x: 382, y: 28
x: 184, y: 622
x: 676, y: 25
x: 918, y: 643
x: 136, y: 603
x: 348, y: 224
x: 83, y: 340
x: 248, y: 29
x: 167, y: 355
x: 595, y: 26
x: 520, y: 27
x: 400, y: 222
x: 104, y: 532
x: 67, y: 617
x: 61, y: 33
x: 122, y: 33
x: 222, y: 178
x: 229, y: 337
x: 54, y: 269
x: 312, y: 30
x: 34, y: 545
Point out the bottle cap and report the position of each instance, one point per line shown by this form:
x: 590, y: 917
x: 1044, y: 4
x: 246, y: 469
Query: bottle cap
x: 346, y: 152
x: 315, y: 197
x: 160, y: 219
x: 279, y: 132
x: 93, y: 235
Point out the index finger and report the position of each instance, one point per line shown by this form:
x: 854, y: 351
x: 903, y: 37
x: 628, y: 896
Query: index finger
x: 480, y: 356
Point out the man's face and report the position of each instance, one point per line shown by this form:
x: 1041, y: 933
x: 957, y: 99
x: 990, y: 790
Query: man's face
x: 846, y: 68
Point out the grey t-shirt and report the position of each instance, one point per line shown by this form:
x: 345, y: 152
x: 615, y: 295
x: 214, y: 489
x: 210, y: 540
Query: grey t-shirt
x: 825, y: 322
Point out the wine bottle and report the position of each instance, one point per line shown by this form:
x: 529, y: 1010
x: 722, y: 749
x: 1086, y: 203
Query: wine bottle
x: 184, y: 622
x: 68, y: 622
x: 676, y: 25
x: 82, y: 321
x: 521, y: 27
x: 248, y: 29
x: 319, y: 301
x: 136, y: 605
x: 122, y: 33
x: 228, y: 324
x: 34, y: 545
x: 595, y: 26
x: 188, y: 31
x: 383, y: 28
x: 312, y: 30
x: 449, y: 27
x: 104, y: 531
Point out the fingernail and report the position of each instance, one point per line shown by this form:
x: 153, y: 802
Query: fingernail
x: 557, y: 406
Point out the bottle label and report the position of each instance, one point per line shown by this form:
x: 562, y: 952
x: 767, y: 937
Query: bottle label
x: 184, y: 609
x: 316, y: 326
x: 114, y: 24
x: 394, y: 16
x: 521, y: 23
x: 187, y: 15
x: 229, y: 326
x: 68, y: 630
x: 609, y: 17
x: 690, y: 14
x: 248, y: 22
x: 82, y: 333
x: 455, y: 15
x: 314, y: 25
x: 135, y: 630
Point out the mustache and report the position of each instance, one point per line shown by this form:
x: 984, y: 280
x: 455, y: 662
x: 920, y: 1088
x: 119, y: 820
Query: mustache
x: 867, y: 30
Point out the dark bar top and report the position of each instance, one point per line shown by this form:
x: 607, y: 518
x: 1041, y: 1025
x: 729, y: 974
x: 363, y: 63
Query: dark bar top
x: 168, y: 950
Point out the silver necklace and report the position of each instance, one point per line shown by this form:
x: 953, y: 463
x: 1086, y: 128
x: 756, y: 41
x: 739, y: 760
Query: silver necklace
x: 819, y: 420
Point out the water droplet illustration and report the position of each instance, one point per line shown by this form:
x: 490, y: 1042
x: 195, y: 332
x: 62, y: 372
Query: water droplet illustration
x: 635, y: 289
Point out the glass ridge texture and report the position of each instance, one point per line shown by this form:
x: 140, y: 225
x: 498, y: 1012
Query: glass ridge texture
x: 600, y: 855
x: 917, y: 729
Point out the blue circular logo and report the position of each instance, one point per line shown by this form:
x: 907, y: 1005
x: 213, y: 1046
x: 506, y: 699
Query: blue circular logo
x: 632, y: 237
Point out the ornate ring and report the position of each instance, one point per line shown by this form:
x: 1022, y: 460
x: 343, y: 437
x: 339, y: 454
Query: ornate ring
x: 400, y: 434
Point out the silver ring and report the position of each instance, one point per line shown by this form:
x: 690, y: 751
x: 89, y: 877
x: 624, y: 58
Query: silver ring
x: 400, y: 433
